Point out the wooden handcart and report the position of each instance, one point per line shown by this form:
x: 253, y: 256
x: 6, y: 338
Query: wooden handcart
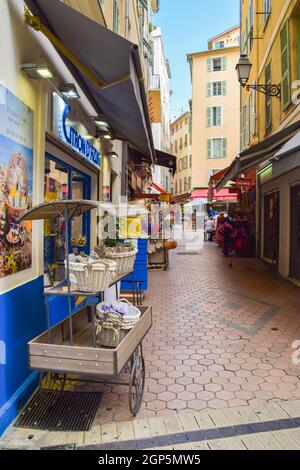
x: 69, y: 349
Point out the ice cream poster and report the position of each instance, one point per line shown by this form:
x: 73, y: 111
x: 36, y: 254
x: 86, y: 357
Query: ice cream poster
x: 16, y: 172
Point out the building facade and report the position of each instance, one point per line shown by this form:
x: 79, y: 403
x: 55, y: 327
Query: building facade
x: 181, y: 147
x: 215, y: 104
x: 271, y: 40
x: 50, y: 150
x: 159, y: 105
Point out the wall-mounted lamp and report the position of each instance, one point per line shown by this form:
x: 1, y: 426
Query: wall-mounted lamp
x: 112, y: 154
x: 243, y: 69
x: 40, y: 71
x: 69, y: 91
x: 100, y: 121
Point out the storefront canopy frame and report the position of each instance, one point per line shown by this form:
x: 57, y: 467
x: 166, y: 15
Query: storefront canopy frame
x: 258, y: 154
x: 106, y: 66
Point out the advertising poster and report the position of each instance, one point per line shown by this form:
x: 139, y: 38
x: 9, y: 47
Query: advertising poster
x: 16, y: 172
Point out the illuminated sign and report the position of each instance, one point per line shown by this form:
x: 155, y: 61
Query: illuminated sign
x: 78, y: 143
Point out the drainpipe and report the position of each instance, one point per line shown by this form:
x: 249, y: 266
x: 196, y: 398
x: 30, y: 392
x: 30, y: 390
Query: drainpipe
x: 127, y: 19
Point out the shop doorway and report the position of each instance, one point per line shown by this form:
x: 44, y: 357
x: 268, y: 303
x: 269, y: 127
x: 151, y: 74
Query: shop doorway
x: 271, y: 227
x: 295, y: 232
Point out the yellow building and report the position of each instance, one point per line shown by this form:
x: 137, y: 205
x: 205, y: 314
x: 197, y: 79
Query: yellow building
x: 270, y: 123
x: 215, y: 105
x: 181, y: 147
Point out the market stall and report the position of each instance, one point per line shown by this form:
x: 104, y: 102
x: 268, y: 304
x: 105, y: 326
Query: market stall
x: 102, y: 340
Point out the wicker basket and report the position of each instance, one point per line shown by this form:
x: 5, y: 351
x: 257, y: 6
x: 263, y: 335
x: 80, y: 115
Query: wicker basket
x: 91, y: 277
x: 125, y: 261
x: 112, y: 327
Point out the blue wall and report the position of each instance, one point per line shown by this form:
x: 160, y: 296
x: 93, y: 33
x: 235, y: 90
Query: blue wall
x: 21, y: 319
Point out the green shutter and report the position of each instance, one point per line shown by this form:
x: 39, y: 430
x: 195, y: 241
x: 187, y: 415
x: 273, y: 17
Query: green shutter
x: 224, y: 63
x: 224, y: 148
x: 285, y: 66
x: 209, y: 89
x: 208, y: 148
x: 208, y: 117
x: 209, y: 65
x: 268, y: 99
x: 219, y: 116
x: 224, y: 88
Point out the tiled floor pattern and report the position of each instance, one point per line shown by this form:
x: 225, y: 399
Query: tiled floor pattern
x: 221, y: 338
x: 270, y: 426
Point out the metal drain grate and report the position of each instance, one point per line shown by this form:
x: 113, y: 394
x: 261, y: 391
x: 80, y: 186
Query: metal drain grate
x: 188, y: 253
x: 68, y: 411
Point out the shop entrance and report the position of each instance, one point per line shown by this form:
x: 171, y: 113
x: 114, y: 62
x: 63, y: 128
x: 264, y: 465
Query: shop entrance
x: 64, y: 182
x: 271, y: 227
x: 295, y: 232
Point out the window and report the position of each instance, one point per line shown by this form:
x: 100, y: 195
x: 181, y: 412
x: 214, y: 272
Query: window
x: 185, y: 184
x: 116, y: 17
x: 180, y: 146
x: 217, y: 88
x: 186, y: 140
x: 285, y: 66
x: 190, y: 161
x: 176, y: 187
x: 216, y: 64
x: 176, y: 146
x: 217, y: 148
x: 185, y: 163
x: 245, y: 39
x: 214, y: 115
x: 246, y: 123
x: 267, y: 9
x: 172, y: 148
x: 190, y: 184
x: 268, y: 99
x: 251, y: 21
x: 180, y: 186
x: 219, y: 45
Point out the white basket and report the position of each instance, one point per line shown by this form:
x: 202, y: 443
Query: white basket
x: 125, y: 261
x: 131, y: 317
x: 91, y: 277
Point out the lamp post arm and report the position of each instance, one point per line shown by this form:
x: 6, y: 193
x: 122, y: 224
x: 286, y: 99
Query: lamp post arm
x: 269, y: 90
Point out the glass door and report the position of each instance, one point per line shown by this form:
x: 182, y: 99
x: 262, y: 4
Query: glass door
x: 295, y: 232
x: 271, y: 227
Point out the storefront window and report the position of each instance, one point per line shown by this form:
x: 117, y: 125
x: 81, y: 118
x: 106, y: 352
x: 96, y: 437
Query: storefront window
x: 61, y: 183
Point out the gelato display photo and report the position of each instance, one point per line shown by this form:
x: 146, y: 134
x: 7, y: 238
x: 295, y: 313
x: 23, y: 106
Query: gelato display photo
x: 16, y: 160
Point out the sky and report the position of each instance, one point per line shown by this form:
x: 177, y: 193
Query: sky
x: 186, y: 26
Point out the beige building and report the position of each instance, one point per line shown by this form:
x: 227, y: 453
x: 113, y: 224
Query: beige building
x: 216, y: 106
x: 181, y: 147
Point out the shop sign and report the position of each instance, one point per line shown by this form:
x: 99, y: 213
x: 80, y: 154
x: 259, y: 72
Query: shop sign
x: 16, y: 174
x: 78, y: 143
x: 244, y: 183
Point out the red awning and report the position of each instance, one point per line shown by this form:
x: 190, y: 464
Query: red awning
x: 223, y: 195
x: 162, y: 191
x: 217, y: 176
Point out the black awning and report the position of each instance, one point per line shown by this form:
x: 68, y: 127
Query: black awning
x: 161, y: 159
x: 108, y: 57
x: 166, y: 160
x: 258, y: 154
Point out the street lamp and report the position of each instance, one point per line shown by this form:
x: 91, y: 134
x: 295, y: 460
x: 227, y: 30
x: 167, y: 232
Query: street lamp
x: 243, y: 69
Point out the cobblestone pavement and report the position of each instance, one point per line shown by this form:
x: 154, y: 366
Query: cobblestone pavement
x: 221, y: 338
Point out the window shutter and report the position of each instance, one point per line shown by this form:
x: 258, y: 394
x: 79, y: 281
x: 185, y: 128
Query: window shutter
x: 209, y: 65
x: 248, y: 119
x: 224, y: 88
x: 208, y: 117
x: 209, y: 87
x: 209, y: 148
x: 285, y: 66
x: 224, y: 148
x: 224, y: 63
x: 219, y: 116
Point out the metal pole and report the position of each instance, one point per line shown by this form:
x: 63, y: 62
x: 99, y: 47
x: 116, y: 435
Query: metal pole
x: 66, y: 216
x: 48, y: 319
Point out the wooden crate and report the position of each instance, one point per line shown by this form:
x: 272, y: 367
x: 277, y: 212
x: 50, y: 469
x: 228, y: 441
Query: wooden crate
x: 82, y: 358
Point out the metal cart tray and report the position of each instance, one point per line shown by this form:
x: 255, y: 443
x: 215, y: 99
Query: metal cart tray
x: 82, y: 357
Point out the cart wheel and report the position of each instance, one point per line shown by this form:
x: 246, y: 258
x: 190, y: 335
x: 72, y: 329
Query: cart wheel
x: 137, y: 382
x: 51, y: 381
